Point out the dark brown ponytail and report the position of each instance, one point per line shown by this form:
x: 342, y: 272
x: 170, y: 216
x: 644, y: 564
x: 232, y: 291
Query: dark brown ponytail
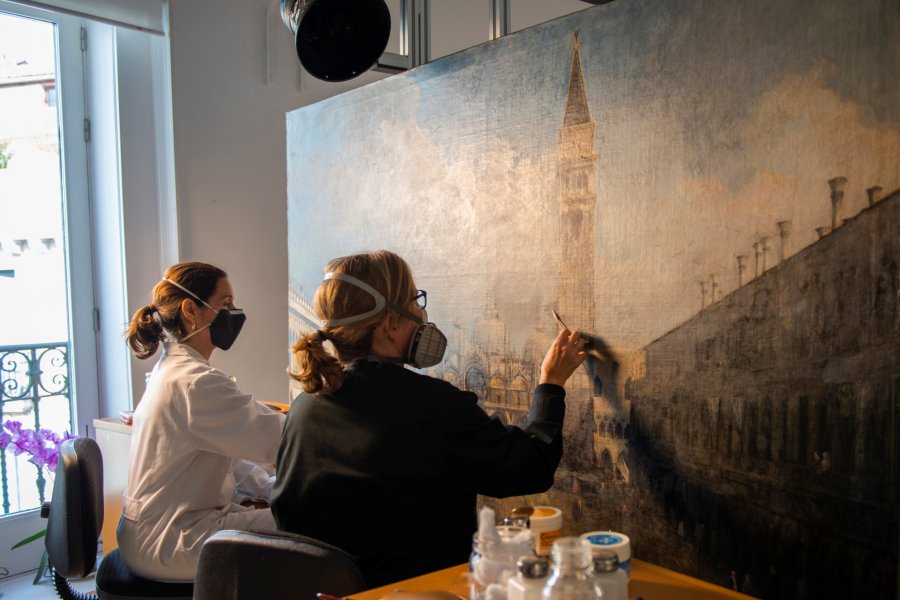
x: 144, y: 332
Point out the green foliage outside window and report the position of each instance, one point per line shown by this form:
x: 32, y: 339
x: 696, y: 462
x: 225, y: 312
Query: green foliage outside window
x: 4, y: 156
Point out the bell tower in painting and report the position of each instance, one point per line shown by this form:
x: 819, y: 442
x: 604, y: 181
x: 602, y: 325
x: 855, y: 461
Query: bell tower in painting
x: 575, y: 293
x: 596, y: 421
x: 577, y: 203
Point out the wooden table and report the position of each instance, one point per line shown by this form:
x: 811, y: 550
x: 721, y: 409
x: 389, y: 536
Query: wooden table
x: 279, y: 407
x: 648, y: 581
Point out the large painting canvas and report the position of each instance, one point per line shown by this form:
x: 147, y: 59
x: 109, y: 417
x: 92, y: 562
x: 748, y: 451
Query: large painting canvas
x: 709, y: 186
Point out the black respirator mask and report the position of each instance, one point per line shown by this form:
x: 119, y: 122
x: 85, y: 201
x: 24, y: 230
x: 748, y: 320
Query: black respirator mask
x: 428, y: 343
x: 224, y: 329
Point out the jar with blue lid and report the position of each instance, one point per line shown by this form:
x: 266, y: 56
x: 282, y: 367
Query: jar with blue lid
x: 612, y: 540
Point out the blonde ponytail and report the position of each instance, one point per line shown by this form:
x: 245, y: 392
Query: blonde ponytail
x: 318, y: 371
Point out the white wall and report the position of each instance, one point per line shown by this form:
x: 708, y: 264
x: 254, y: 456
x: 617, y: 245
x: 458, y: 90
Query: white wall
x: 144, y: 195
x: 229, y: 130
x: 230, y: 161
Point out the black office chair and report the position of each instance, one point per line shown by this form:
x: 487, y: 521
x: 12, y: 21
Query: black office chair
x: 248, y: 565
x: 75, y: 519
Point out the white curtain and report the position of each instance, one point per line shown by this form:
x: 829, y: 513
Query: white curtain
x: 143, y: 15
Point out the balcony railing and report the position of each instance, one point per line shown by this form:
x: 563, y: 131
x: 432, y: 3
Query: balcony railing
x: 33, y: 378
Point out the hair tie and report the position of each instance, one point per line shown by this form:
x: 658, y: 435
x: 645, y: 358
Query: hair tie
x: 322, y: 336
x: 152, y: 307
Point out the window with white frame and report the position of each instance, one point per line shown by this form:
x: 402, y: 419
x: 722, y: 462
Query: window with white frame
x: 73, y: 77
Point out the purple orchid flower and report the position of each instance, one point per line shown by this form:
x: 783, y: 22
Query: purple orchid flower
x: 27, y: 441
x: 50, y: 436
x: 52, y: 461
x: 42, y: 444
x: 39, y: 458
x: 16, y: 446
x: 13, y: 427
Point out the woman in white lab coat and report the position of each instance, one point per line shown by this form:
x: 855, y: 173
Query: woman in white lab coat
x: 191, y: 422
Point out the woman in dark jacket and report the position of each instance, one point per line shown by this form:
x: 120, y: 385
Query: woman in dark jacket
x: 384, y: 462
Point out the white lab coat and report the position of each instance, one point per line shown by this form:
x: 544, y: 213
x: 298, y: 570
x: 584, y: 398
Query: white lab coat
x: 191, y: 422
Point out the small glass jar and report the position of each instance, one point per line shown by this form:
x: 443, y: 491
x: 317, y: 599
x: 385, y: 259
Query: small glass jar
x: 493, y: 562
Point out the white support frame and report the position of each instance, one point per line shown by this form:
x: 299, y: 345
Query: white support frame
x: 415, y: 38
x: 499, y: 18
x: 415, y: 34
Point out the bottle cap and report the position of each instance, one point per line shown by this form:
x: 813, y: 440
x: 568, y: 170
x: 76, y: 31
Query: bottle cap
x: 533, y: 567
x: 610, y: 540
x: 515, y: 521
x: 572, y: 551
x: 549, y: 517
x: 605, y: 561
x: 522, y: 511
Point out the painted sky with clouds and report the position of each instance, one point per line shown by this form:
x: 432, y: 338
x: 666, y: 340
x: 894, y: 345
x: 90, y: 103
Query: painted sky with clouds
x: 714, y: 119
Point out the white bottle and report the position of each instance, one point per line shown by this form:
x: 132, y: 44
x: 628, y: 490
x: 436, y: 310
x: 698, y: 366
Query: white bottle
x: 611, y: 577
x: 573, y: 573
x: 546, y: 522
x: 529, y: 582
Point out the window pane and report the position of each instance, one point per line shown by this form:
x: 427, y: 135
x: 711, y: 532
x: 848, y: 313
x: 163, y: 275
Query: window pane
x: 34, y: 340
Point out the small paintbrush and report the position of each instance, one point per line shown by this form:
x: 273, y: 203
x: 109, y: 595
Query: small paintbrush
x: 596, y: 346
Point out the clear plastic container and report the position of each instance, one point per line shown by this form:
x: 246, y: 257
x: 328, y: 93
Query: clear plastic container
x: 573, y: 572
x: 493, y: 562
x: 610, y: 575
x: 528, y: 584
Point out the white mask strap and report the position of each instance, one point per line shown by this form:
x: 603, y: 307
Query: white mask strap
x: 187, y: 291
x: 196, y: 331
x: 380, y: 301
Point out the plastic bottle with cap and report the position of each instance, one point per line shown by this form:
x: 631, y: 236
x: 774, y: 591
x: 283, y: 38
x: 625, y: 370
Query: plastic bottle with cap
x: 573, y: 572
x: 612, y: 578
x: 528, y: 584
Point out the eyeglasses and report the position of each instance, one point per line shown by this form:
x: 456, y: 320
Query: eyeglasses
x: 421, y: 298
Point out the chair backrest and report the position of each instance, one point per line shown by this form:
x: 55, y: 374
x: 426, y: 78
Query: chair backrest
x: 245, y: 565
x: 76, y: 510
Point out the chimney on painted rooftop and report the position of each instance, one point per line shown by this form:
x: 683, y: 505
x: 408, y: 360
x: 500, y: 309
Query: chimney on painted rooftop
x: 766, y: 242
x: 784, y: 234
x: 757, y: 247
x: 742, y: 266
x: 874, y: 193
x: 837, y: 201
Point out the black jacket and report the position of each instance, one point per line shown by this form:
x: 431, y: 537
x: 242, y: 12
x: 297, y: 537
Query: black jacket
x: 387, y: 468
